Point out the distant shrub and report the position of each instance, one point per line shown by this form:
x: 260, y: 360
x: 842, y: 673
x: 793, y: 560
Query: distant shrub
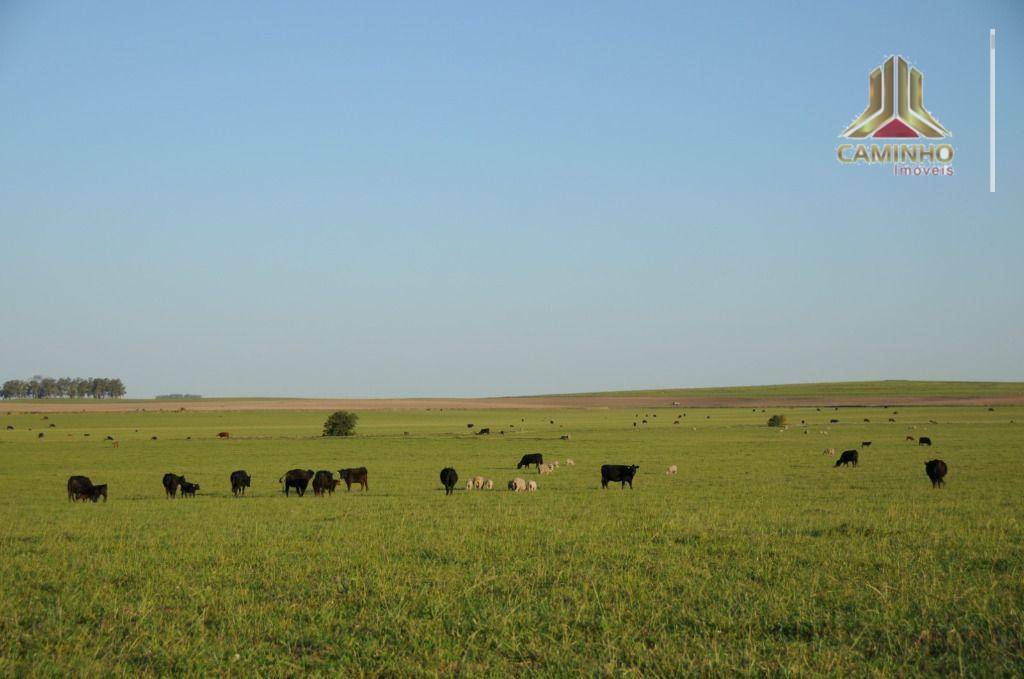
x: 777, y: 421
x: 341, y: 423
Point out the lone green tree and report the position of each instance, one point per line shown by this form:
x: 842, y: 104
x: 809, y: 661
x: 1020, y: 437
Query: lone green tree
x: 341, y: 423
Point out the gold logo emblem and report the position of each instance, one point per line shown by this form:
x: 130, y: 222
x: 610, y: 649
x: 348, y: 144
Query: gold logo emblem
x: 896, y: 106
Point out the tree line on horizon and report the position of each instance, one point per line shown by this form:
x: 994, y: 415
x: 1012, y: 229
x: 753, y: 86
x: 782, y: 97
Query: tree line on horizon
x: 63, y: 387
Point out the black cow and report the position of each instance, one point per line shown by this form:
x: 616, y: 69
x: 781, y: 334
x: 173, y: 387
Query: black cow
x: 848, y: 457
x: 936, y: 471
x: 531, y: 458
x: 865, y: 444
x: 96, y: 491
x: 924, y: 441
x: 189, y: 489
x: 79, y: 488
x: 618, y: 472
x: 298, y: 479
x: 354, y: 475
x: 171, y: 484
x: 323, y: 482
x: 240, y: 480
x: 449, y: 477
x: 484, y: 430
x: 834, y: 421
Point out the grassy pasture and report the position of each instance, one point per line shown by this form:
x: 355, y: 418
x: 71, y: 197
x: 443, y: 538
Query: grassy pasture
x: 757, y: 558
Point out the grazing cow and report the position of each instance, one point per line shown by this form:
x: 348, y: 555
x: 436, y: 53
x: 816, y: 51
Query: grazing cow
x: 189, y: 489
x: 484, y: 430
x: 152, y: 438
x: 223, y: 435
x: 924, y: 441
x: 829, y: 451
x: 323, y: 482
x: 109, y: 438
x: 834, y: 421
x: 95, y: 492
x: 240, y: 480
x: 867, y: 420
x: 78, y: 488
x: 517, y: 485
x: 531, y: 486
x: 10, y: 427
x: 618, y: 472
x: 470, y: 425
x: 936, y: 471
x: 531, y: 458
x: 865, y: 444
x: 911, y: 439
x: 672, y: 469
x: 552, y: 421
x: 564, y: 437
x: 892, y: 419
x: 478, y: 482
x: 848, y: 457
x: 489, y: 485
x: 298, y: 479
x: 449, y: 477
x: 569, y: 462
x: 354, y: 475
x: 171, y: 484
x: 40, y: 435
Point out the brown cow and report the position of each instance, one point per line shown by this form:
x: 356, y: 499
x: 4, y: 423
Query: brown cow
x: 223, y: 435
x: 354, y: 475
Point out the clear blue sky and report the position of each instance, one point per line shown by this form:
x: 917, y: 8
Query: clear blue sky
x: 376, y: 199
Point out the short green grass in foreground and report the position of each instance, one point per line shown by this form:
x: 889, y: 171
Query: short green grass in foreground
x: 759, y: 557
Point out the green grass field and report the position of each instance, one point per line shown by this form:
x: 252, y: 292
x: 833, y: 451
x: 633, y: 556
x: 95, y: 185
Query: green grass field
x: 758, y: 557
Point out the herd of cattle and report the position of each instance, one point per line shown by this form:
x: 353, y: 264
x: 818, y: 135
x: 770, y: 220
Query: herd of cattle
x: 323, y: 481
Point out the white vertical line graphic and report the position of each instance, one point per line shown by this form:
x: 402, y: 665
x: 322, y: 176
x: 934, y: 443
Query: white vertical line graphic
x: 992, y: 111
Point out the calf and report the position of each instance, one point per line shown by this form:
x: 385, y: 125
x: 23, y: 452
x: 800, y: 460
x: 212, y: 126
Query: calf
x: 936, y: 471
x: 96, y: 491
x: 865, y: 444
x: 449, y: 477
x: 618, y: 472
x: 355, y: 475
x: 848, y: 457
x: 189, y: 489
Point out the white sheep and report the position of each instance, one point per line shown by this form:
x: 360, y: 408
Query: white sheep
x: 671, y: 470
x: 531, y: 486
